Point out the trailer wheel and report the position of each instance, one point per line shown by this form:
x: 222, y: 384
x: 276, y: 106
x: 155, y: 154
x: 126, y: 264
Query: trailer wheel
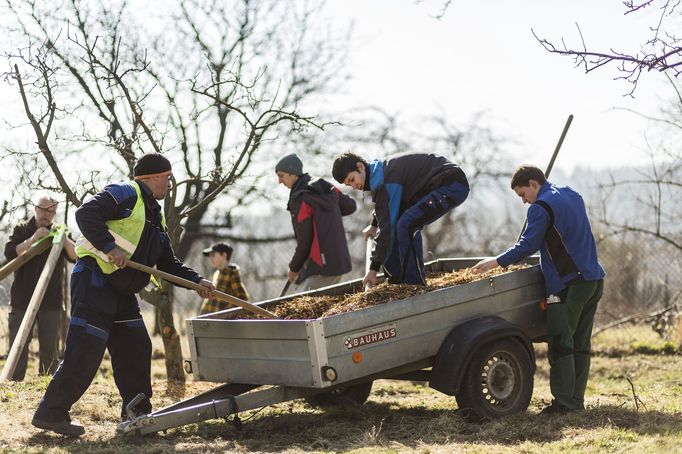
x: 498, y: 381
x: 344, y: 395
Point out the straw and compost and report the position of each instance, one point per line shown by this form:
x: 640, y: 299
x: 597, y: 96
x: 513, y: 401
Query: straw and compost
x: 316, y: 306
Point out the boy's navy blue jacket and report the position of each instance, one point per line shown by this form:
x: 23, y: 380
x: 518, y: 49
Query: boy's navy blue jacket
x: 116, y: 201
x: 558, y: 226
x: 398, y: 183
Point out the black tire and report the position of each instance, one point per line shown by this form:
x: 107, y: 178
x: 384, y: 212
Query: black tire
x: 344, y: 395
x: 498, y: 381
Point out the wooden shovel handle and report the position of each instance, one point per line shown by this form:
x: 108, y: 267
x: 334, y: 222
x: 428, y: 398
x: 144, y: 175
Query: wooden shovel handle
x: 193, y: 285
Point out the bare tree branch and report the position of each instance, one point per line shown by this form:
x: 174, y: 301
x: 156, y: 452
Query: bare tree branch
x: 42, y: 137
x: 662, y: 52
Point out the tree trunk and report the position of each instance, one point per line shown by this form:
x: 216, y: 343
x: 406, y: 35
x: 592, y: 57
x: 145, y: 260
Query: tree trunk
x: 191, y: 227
x: 162, y: 299
x: 157, y: 322
x: 171, y: 338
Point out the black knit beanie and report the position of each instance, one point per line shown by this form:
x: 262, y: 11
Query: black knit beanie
x: 151, y: 164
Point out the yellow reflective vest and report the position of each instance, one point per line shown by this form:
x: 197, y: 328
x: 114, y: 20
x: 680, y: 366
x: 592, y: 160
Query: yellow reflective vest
x: 128, y: 229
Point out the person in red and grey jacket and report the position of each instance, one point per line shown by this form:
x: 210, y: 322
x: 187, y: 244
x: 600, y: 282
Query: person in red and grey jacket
x: 321, y: 257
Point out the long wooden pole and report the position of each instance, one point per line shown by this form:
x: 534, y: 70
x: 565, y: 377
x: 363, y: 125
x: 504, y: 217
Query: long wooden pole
x: 32, y: 309
x: 18, y: 261
x: 187, y: 283
x: 569, y: 120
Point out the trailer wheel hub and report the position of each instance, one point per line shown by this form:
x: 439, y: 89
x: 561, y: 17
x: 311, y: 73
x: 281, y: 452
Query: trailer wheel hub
x: 498, y: 380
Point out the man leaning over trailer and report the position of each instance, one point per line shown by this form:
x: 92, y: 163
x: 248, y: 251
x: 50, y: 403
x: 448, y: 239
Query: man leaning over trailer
x: 574, y: 280
x: 409, y: 191
x: 104, y: 310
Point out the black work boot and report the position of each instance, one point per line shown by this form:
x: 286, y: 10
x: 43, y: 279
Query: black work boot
x: 554, y: 409
x: 63, y: 427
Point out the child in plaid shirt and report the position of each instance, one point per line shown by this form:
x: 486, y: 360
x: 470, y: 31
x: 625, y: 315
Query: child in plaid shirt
x: 226, y: 278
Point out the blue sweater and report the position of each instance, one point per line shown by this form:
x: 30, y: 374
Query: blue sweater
x: 558, y: 226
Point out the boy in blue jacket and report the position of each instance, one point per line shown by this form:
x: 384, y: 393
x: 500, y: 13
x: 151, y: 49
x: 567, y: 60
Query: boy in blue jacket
x: 409, y: 191
x: 574, y: 280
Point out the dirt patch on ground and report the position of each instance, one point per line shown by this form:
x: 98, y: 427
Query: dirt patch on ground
x: 308, y: 307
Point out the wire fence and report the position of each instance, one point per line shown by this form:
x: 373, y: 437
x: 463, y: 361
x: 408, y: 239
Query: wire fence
x: 644, y: 275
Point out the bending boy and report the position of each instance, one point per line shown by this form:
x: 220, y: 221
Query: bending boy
x: 409, y: 191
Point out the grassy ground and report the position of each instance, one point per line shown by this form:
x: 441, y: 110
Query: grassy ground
x: 398, y: 417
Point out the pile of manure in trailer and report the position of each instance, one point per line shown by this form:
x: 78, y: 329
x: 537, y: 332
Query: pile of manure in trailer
x: 316, y: 306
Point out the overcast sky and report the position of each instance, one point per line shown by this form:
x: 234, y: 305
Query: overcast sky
x: 482, y: 56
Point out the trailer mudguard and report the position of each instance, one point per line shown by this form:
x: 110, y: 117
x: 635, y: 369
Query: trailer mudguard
x: 458, y: 347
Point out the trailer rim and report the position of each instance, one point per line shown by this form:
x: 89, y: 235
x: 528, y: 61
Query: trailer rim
x: 498, y: 378
x: 498, y: 381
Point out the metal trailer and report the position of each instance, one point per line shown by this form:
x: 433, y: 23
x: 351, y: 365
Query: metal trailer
x: 472, y: 341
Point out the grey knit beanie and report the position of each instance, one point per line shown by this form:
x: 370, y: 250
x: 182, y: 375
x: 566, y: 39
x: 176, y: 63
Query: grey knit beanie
x: 290, y: 164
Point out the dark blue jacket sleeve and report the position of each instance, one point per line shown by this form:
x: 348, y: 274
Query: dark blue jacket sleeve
x: 115, y: 202
x: 169, y: 263
x: 531, y: 239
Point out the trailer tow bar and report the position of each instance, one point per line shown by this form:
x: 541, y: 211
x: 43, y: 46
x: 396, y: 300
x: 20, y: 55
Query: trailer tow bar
x: 214, y: 409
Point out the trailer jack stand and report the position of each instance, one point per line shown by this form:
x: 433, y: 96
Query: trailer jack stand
x: 130, y: 408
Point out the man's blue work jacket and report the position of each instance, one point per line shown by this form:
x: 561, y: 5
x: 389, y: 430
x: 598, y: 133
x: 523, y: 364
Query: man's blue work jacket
x: 558, y: 226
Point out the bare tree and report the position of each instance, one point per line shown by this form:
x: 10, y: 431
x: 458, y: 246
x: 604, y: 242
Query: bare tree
x: 661, y: 52
x: 653, y: 194
x: 641, y: 207
x: 442, y: 8
x: 643, y: 203
x: 211, y: 88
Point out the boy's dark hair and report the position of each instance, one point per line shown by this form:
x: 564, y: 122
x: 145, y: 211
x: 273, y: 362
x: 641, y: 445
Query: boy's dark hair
x: 344, y: 164
x: 220, y: 248
x: 525, y: 173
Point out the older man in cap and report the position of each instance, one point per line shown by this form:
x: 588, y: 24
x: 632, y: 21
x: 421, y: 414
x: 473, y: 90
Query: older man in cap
x: 321, y: 257
x: 226, y: 278
x: 104, y: 310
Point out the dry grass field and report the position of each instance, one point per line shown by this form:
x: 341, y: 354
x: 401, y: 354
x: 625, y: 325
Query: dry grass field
x: 398, y: 417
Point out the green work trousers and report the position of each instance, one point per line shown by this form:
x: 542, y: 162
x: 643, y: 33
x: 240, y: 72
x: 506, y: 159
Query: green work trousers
x: 569, y: 332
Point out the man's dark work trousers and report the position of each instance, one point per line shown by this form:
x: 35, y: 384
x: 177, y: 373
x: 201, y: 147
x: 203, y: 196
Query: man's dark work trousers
x: 569, y: 332
x: 405, y: 262
x: 101, y: 319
